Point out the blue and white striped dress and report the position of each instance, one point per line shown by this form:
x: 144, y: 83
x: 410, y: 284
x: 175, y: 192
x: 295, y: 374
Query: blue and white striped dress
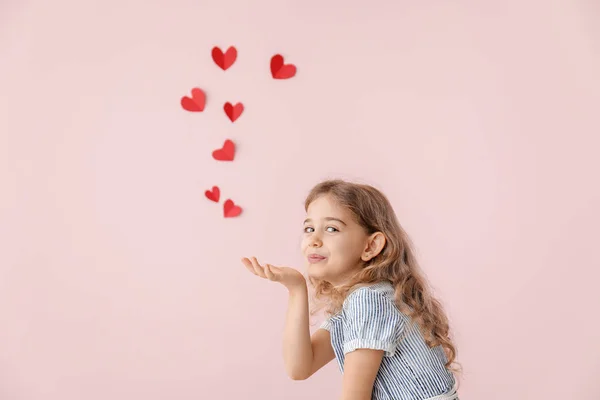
x: 410, y: 370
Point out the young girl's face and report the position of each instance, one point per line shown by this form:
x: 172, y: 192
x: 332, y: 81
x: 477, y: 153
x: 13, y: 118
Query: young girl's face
x: 333, y: 241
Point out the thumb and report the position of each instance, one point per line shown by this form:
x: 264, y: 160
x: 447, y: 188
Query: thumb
x: 272, y: 274
x: 275, y: 269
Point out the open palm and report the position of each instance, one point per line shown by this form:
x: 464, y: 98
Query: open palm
x: 289, y: 277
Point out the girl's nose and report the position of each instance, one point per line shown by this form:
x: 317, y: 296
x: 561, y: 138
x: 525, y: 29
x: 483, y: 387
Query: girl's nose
x: 316, y: 241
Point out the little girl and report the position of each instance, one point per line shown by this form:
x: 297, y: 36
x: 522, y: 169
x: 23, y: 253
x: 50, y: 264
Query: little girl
x: 389, y: 335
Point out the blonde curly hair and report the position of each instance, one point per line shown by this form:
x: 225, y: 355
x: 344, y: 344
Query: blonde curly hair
x: 396, y: 263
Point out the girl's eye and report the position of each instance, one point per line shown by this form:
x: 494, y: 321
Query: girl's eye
x: 329, y: 229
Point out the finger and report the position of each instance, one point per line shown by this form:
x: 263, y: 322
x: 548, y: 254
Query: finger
x: 274, y: 269
x: 259, y: 270
x: 269, y: 273
x: 248, y: 264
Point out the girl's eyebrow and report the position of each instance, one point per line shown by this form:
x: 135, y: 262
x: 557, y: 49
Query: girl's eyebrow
x: 326, y: 219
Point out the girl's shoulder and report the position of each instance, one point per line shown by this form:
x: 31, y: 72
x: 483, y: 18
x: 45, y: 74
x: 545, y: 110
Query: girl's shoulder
x: 371, y: 293
x: 363, y: 298
x: 382, y: 287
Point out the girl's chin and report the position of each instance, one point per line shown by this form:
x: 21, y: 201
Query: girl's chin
x: 316, y: 271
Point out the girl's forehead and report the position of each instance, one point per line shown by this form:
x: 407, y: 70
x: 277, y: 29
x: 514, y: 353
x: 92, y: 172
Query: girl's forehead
x: 326, y: 206
x: 324, y: 202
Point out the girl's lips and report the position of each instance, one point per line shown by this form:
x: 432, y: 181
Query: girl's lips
x: 314, y: 258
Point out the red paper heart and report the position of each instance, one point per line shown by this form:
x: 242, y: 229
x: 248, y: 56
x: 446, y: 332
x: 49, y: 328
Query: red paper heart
x: 224, y: 60
x: 230, y: 209
x: 280, y: 70
x: 196, y: 102
x: 213, y: 195
x: 225, y: 153
x: 233, y: 112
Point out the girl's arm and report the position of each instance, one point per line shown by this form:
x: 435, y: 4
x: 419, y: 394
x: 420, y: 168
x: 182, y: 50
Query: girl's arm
x: 360, y: 369
x: 371, y: 330
x: 303, y: 355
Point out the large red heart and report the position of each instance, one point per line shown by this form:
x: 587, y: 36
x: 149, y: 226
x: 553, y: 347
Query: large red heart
x: 226, y: 153
x: 233, y: 112
x: 230, y: 209
x: 280, y: 70
x: 213, y: 195
x: 224, y: 60
x: 196, y: 102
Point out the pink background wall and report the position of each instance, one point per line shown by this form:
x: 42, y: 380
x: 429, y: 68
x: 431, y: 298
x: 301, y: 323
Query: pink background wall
x: 119, y: 280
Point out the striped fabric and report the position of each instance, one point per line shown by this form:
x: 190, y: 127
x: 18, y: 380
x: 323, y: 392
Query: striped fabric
x: 410, y: 370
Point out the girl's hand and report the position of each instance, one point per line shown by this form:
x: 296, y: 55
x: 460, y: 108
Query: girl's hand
x: 288, y: 277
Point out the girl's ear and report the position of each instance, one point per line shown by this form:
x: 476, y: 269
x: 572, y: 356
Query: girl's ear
x: 375, y: 244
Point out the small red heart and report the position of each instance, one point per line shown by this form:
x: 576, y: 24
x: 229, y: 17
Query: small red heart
x: 225, y: 153
x: 213, y: 195
x: 280, y: 70
x: 196, y: 102
x: 233, y: 112
x: 224, y: 60
x: 230, y: 209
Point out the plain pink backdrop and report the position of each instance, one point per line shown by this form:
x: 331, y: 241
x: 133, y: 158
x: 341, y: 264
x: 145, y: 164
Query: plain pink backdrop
x: 119, y: 280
